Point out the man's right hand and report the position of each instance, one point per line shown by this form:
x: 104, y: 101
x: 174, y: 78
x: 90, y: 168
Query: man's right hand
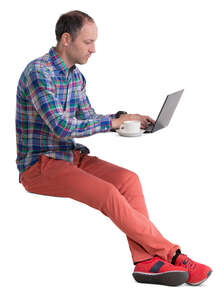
x: 145, y: 120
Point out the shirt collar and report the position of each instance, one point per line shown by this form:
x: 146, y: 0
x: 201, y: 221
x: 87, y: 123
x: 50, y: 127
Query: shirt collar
x: 59, y: 63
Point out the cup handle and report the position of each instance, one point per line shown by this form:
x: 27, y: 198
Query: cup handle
x: 122, y: 127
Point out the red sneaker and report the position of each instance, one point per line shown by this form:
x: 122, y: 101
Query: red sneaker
x: 159, y: 271
x: 198, y: 273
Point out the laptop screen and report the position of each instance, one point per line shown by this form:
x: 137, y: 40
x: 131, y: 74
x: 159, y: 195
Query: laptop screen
x: 167, y: 110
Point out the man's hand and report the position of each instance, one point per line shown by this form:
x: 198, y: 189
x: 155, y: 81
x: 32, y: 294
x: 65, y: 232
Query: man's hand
x: 145, y: 120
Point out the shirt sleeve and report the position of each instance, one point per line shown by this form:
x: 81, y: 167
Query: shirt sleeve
x: 85, y: 109
x: 42, y: 93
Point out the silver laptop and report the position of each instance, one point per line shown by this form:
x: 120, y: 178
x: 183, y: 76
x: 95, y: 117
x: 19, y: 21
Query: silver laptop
x: 166, y: 112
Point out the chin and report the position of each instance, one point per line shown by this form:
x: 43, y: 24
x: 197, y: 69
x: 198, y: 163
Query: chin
x: 82, y: 62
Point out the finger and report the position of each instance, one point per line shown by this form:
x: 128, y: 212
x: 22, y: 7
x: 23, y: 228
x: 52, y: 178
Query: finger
x: 150, y: 119
x: 144, y: 124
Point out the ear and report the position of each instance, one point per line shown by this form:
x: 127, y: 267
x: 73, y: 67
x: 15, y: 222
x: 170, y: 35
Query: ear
x: 66, y: 39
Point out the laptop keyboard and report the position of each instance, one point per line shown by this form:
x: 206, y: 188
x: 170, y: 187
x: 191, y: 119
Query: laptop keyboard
x: 149, y: 128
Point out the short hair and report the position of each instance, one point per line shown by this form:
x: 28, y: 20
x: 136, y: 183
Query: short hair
x: 71, y: 22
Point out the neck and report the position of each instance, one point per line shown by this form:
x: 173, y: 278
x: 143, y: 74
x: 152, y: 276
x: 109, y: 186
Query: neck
x: 64, y: 56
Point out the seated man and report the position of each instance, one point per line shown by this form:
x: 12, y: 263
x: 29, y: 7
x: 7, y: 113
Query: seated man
x: 52, y: 110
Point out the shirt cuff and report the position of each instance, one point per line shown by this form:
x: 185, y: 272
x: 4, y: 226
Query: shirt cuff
x: 106, y: 124
x: 113, y: 116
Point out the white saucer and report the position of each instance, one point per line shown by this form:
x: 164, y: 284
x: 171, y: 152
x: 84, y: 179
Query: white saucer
x: 120, y: 132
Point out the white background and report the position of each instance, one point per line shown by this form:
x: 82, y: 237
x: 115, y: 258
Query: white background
x: 57, y: 248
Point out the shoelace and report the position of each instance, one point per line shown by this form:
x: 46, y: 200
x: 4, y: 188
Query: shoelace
x: 189, y: 263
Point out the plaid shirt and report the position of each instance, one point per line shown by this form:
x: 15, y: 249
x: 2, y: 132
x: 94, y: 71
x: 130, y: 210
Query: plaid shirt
x: 53, y: 109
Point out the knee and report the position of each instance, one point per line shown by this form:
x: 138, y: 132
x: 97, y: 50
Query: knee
x: 127, y: 178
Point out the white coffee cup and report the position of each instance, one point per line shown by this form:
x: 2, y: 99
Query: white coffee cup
x: 132, y: 126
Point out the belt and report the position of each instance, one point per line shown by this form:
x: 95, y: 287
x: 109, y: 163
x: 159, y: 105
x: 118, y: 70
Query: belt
x: 82, y: 148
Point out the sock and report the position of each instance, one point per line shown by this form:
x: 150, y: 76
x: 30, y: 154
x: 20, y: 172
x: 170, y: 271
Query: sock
x: 175, y: 256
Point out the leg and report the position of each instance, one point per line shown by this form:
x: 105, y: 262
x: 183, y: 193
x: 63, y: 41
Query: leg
x: 62, y: 179
x: 128, y: 184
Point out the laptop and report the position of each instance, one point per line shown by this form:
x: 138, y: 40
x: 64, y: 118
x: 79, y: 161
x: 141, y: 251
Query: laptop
x: 166, y: 112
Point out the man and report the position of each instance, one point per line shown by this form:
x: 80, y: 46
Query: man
x: 52, y: 110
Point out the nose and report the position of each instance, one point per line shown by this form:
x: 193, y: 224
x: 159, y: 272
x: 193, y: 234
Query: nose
x: 92, y: 49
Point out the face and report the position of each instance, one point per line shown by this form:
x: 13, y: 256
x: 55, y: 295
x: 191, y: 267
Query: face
x: 79, y: 50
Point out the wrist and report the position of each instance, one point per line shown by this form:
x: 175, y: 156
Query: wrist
x: 115, y: 123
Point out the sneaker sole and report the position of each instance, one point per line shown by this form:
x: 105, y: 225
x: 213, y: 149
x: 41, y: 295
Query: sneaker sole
x: 173, y: 278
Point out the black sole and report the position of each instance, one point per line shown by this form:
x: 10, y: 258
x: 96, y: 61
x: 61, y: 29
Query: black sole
x: 168, y: 278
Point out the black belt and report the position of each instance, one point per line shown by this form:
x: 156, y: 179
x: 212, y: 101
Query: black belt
x: 82, y: 148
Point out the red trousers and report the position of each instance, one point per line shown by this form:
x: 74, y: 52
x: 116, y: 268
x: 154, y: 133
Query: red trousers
x: 113, y: 190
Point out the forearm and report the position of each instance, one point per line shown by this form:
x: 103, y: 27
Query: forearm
x: 85, y: 111
x: 73, y: 128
